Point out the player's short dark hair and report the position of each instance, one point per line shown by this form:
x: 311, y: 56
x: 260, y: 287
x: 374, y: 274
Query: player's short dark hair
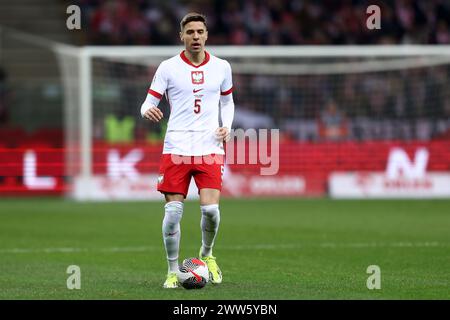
x: 192, y: 16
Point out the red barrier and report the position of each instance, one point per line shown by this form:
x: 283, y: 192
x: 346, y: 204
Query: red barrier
x: 312, y: 162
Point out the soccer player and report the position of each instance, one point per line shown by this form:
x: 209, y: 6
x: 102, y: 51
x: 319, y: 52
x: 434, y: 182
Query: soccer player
x: 198, y: 87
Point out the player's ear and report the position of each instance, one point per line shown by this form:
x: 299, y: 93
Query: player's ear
x: 181, y: 35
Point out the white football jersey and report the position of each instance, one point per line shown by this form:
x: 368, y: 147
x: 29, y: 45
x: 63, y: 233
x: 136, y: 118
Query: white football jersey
x: 193, y: 93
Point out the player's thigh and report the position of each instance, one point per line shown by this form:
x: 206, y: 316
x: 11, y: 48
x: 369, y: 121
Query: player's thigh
x: 208, y: 178
x: 209, y: 196
x: 174, y: 197
x: 174, y: 178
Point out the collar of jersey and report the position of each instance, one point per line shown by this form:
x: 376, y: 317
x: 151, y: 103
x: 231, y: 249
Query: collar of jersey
x: 185, y: 59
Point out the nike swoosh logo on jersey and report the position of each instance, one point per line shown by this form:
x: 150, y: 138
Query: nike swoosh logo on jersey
x: 197, y: 90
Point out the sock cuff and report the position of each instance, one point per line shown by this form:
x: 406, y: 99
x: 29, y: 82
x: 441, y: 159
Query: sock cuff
x: 175, y: 205
x: 209, y: 208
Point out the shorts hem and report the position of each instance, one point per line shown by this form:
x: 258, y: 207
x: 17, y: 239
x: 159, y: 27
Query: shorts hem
x: 207, y: 187
x: 164, y: 191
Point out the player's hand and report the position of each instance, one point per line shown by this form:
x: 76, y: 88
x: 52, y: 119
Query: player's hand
x: 153, y: 114
x: 223, y: 134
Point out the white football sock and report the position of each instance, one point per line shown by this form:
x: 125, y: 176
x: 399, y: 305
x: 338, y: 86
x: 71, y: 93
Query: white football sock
x: 172, y: 232
x: 209, y: 224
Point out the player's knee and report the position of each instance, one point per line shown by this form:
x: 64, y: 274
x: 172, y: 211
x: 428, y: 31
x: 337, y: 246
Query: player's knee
x: 211, y: 211
x: 173, y: 214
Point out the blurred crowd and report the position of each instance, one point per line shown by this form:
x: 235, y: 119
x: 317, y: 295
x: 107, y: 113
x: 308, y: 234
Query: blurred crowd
x: 412, y: 93
x: 267, y: 22
x: 337, y: 102
x: 333, y: 106
x: 412, y: 103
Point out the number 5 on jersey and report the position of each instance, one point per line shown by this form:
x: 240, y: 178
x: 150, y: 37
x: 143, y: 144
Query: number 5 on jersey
x: 197, y: 105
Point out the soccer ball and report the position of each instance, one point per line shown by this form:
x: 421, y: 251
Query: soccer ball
x: 194, y: 273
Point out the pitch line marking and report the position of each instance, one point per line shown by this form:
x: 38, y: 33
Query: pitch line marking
x: 428, y: 244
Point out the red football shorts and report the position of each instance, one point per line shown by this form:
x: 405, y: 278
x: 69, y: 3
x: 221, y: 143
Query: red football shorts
x: 175, y: 172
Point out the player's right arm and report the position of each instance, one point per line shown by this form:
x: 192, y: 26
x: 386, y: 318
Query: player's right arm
x: 149, y: 109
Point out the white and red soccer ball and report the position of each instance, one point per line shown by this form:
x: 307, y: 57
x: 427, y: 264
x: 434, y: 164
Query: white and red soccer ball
x: 194, y: 273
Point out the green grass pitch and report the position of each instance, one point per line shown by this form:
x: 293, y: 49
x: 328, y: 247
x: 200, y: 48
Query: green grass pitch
x: 267, y: 249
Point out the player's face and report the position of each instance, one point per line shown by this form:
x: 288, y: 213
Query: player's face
x: 194, y: 36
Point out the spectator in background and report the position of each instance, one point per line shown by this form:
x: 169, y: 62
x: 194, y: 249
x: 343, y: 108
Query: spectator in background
x: 332, y: 122
x: 106, y: 24
x: 442, y: 33
x: 137, y: 27
x: 283, y: 22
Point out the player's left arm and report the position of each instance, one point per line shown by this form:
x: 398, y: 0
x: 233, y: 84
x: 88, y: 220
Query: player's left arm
x: 226, y: 105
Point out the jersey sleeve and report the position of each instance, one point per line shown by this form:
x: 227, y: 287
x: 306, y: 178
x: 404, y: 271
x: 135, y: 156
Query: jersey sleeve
x: 227, y: 84
x: 156, y: 90
x: 226, y: 98
x: 159, y: 82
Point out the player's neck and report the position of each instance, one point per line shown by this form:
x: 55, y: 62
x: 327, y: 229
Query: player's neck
x: 195, y: 58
